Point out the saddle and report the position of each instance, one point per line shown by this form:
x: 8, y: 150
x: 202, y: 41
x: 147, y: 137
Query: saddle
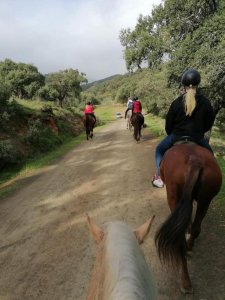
x: 185, y: 140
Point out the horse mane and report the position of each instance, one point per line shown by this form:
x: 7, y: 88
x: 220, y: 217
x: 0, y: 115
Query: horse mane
x: 127, y: 276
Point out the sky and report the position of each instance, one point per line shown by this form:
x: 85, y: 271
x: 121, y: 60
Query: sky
x: 55, y: 35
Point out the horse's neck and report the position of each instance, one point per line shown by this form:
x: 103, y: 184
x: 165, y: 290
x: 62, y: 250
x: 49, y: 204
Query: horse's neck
x: 127, y: 275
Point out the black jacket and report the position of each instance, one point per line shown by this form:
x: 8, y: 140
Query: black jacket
x: 195, y: 125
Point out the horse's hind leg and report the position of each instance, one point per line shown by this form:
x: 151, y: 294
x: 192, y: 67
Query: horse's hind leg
x: 138, y: 135
x: 140, y: 131
x: 130, y: 125
x: 185, y: 287
x: 202, y: 208
x: 127, y: 122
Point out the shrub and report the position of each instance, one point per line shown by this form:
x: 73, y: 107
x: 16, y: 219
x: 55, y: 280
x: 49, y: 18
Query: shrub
x: 4, y: 95
x: 41, y: 139
x: 9, y: 155
x: 152, y: 108
x: 4, y: 120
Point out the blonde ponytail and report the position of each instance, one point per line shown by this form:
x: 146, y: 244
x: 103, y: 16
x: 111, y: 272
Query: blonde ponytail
x: 190, y: 101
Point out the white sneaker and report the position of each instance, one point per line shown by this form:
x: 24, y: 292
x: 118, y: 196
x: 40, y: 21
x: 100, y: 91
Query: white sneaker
x: 157, y: 181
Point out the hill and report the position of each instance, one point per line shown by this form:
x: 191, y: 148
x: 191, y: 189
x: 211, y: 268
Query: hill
x: 88, y: 85
x: 149, y: 85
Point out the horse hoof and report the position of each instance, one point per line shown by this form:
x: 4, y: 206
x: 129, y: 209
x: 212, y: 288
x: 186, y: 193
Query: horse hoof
x: 186, y: 290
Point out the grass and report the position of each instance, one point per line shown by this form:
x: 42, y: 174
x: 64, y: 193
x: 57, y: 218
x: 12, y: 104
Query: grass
x: 34, y: 104
x: 221, y: 195
x: 8, y: 178
x: 156, y: 125
x: 106, y: 113
x: 52, y: 156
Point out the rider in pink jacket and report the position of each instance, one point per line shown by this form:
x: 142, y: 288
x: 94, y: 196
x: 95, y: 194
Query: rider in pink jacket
x: 137, y: 107
x: 89, y: 110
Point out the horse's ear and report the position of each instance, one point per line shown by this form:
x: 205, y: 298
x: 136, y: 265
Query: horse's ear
x: 95, y: 230
x: 142, y: 231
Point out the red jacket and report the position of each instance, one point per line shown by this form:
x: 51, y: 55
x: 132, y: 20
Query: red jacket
x: 137, y: 106
x: 88, y: 109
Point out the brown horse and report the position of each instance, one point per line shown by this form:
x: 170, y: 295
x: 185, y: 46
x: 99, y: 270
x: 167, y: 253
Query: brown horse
x: 190, y: 173
x: 137, y: 121
x: 120, y: 270
x: 89, y: 123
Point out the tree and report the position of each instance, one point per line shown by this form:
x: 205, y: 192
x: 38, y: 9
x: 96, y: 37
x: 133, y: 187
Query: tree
x: 4, y: 95
x: 47, y: 93
x: 24, y: 79
x: 142, y: 45
x: 67, y: 83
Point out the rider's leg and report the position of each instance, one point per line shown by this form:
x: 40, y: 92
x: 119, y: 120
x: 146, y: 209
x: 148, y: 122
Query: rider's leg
x: 94, y: 117
x: 164, y: 145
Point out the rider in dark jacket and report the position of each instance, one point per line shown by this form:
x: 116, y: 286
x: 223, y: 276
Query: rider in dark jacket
x: 191, y: 115
x: 200, y: 121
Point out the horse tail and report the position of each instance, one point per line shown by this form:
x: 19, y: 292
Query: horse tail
x: 136, y: 129
x: 170, y: 238
x: 139, y: 120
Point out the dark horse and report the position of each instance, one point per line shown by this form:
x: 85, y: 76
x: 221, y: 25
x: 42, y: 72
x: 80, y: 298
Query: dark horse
x: 190, y: 173
x: 137, y: 120
x: 89, y: 123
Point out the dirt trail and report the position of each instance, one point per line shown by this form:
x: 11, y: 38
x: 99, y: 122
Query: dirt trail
x: 46, y: 252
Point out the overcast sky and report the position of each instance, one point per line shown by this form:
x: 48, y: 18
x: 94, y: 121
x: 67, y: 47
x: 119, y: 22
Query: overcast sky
x: 55, y: 35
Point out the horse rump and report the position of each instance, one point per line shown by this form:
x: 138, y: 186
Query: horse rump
x: 89, y: 122
x: 137, y: 120
x: 190, y: 172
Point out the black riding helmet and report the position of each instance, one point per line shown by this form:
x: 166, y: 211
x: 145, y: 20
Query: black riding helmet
x: 135, y: 98
x: 191, y: 77
x: 89, y: 103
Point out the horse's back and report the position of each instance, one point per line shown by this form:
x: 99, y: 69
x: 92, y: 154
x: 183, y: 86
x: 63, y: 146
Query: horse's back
x: 178, y: 159
x: 89, y: 119
x: 137, y: 117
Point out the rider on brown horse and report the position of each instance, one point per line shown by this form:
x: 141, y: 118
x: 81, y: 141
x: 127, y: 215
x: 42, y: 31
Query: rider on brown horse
x: 189, y: 117
x: 89, y: 110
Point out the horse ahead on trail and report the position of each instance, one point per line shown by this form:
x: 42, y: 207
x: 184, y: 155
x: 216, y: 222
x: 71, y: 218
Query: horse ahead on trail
x: 190, y: 173
x: 89, y: 123
x: 128, y: 118
x: 120, y: 270
x: 137, y: 121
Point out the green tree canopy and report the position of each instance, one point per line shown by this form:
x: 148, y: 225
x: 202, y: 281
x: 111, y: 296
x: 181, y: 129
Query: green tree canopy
x: 24, y: 79
x: 66, y: 83
x: 187, y: 33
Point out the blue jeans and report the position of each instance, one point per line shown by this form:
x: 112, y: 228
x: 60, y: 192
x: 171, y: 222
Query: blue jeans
x: 167, y: 143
